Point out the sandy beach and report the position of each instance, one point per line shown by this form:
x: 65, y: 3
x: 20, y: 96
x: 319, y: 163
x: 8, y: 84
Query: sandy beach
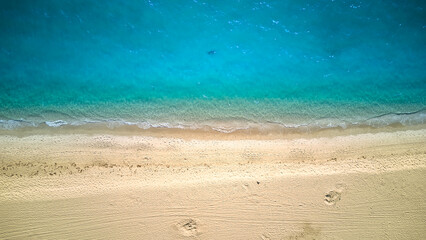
x: 212, y: 120
x: 95, y: 186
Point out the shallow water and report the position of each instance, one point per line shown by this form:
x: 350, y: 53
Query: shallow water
x: 147, y: 63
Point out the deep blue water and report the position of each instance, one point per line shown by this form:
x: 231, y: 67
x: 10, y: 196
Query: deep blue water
x: 294, y: 62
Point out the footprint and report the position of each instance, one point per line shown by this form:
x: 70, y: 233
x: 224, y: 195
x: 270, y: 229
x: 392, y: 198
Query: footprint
x: 307, y: 232
x: 246, y: 187
x: 332, y: 197
x: 265, y: 237
x: 188, y: 227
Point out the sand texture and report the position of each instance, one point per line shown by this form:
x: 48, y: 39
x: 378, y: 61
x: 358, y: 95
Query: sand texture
x: 94, y: 186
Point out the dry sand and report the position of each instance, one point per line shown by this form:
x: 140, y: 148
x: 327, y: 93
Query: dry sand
x: 94, y: 186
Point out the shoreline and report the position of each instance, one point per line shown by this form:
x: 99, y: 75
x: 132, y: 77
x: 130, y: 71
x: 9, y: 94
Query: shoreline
x: 207, y: 133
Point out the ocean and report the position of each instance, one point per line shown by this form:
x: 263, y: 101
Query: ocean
x: 212, y: 65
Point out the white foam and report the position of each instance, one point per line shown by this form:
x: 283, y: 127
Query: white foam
x: 232, y: 125
x: 13, y: 124
x: 56, y: 123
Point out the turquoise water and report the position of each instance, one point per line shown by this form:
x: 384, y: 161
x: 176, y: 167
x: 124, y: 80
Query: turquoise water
x: 222, y: 64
